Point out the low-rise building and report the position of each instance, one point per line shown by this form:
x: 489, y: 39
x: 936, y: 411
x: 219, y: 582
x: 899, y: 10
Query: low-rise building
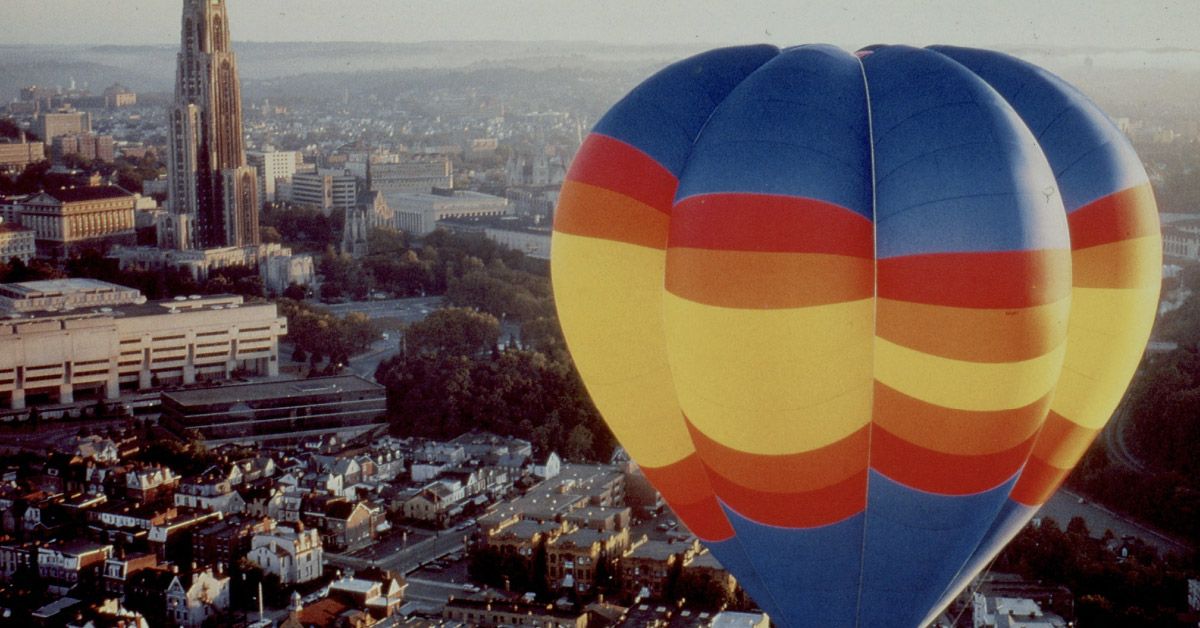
x: 646, y: 568
x: 380, y: 598
x: 419, y: 214
x: 295, y: 554
x: 497, y: 613
x: 65, y: 294
x: 195, y: 600
x: 572, y: 559
x: 66, y: 564
x: 136, y: 346
x: 278, y: 411
x: 16, y: 241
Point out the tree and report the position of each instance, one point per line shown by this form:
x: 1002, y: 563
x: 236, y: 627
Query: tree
x: 579, y: 443
x: 457, y: 331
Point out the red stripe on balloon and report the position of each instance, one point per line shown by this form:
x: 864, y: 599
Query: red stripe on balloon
x: 1130, y: 213
x: 1007, y: 279
x: 941, y: 473
x: 770, y: 224
x: 614, y: 165
x: 685, y: 487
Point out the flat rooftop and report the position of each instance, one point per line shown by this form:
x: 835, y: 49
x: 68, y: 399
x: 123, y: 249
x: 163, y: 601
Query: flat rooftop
x: 59, y: 287
x: 264, y: 391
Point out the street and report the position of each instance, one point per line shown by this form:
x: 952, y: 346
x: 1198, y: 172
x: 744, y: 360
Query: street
x: 1065, y: 505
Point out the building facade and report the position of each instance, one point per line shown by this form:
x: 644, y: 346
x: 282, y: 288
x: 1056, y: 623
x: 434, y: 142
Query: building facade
x: 86, y: 146
x: 279, y: 410
x: 211, y: 183
x: 64, y: 122
x: 17, y: 155
x: 419, y: 214
x: 273, y: 167
x: 293, y: 554
x: 325, y: 190
x: 415, y: 175
x: 63, y: 219
x: 16, y: 241
x: 56, y: 354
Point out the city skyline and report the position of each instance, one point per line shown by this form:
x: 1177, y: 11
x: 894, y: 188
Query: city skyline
x: 853, y: 23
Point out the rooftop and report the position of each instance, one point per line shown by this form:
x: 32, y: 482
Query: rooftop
x: 59, y: 287
x: 264, y: 391
x: 91, y: 193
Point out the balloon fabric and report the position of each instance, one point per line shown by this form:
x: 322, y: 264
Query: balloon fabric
x: 855, y: 315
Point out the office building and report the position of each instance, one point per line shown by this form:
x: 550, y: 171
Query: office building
x: 278, y: 411
x: 52, y: 356
x: 14, y: 156
x: 86, y: 146
x: 213, y: 191
x: 65, y: 121
x: 273, y: 167
x: 325, y: 190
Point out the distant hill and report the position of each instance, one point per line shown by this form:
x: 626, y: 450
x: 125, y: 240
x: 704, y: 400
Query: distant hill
x: 152, y: 68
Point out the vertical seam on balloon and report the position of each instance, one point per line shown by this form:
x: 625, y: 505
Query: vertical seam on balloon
x: 862, y: 555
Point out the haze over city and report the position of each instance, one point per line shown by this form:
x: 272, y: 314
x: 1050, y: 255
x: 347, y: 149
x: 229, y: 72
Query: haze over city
x: 852, y: 23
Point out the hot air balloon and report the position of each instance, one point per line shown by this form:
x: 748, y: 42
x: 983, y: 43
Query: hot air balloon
x: 855, y: 315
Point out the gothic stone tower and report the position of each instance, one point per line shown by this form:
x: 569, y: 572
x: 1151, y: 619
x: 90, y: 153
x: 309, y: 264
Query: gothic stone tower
x: 214, y: 194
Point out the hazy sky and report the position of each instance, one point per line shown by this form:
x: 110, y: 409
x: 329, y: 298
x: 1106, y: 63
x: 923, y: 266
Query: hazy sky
x: 1114, y: 23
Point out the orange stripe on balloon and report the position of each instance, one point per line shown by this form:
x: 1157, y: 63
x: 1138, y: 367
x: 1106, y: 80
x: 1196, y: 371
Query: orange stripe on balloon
x: 1125, y: 264
x: 787, y: 473
x: 609, y: 163
x: 685, y: 487
x: 1060, y: 445
x: 595, y: 212
x: 972, y: 334
x: 942, y: 473
x: 1038, y: 483
x: 739, y: 279
x: 809, y: 509
x: 1007, y: 279
x: 960, y: 433
x: 1130, y: 213
x: 770, y: 224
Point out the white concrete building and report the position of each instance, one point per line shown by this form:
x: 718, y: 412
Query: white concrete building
x: 418, y: 214
x: 136, y: 346
x: 65, y: 294
x: 273, y: 166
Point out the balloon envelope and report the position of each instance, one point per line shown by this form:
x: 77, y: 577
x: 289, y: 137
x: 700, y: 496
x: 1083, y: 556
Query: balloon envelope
x: 856, y: 316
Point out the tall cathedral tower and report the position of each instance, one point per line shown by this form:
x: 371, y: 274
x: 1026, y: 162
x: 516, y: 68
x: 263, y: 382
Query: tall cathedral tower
x: 214, y: 194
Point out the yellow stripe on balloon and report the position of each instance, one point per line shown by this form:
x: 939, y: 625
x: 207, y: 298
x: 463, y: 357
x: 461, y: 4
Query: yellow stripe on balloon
x: 772, y: 381
x: 1106, y: 336
x: 609, y: 297
x: 961, y: 385
x: 1135, y: 263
